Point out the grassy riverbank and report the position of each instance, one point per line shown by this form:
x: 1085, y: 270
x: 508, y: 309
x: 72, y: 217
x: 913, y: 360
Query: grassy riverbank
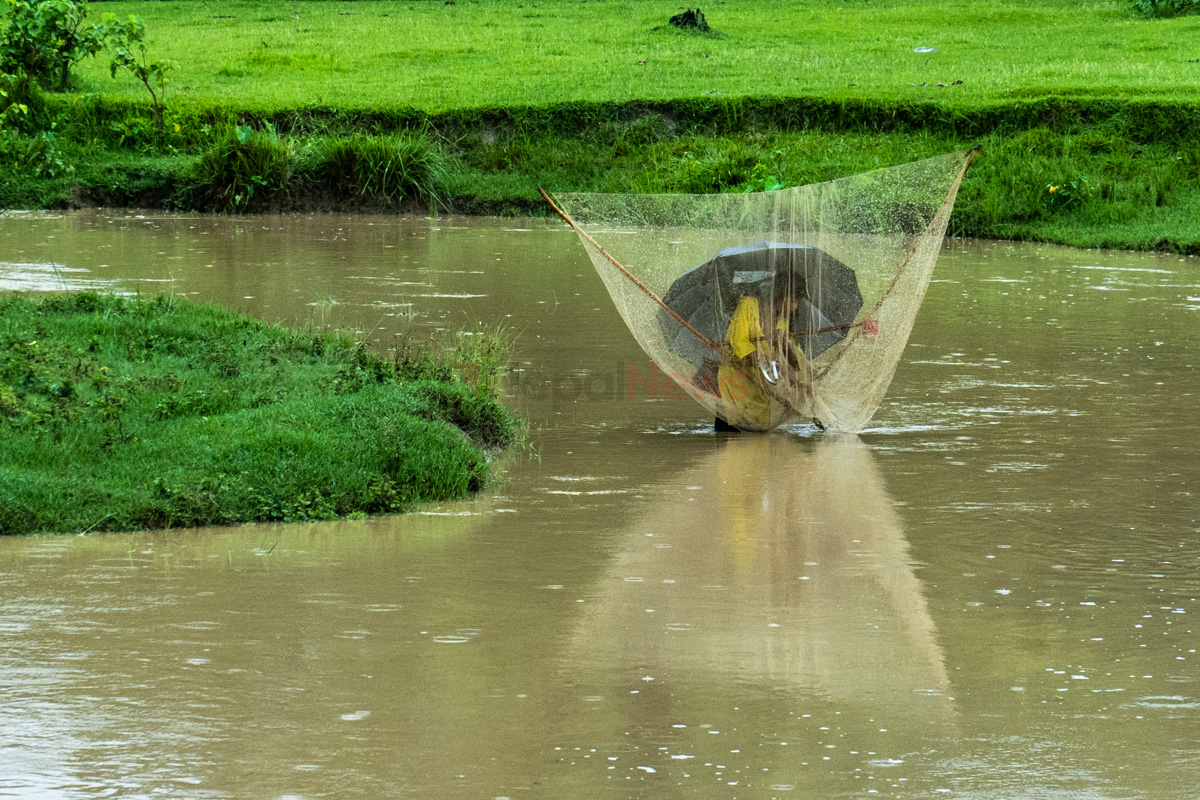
x: 471, y: 106
x: 118, y: 414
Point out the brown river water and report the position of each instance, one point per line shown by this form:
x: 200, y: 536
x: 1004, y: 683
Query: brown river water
x: 989, y: 593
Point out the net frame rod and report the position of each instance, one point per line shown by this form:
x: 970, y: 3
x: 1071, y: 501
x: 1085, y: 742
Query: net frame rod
x: 587, y: 238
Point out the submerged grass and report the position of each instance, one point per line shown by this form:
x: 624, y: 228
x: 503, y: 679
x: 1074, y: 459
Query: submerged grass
x: 119, y: 413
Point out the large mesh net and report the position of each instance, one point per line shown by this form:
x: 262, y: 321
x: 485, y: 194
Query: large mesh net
x: 772, y: 308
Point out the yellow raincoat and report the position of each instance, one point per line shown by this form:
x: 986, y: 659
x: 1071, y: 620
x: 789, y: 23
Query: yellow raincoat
x: 742, y: 387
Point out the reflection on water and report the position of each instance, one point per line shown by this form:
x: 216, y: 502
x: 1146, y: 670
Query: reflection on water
x: 990, y: 595
x: 772, y: 601
x: 785, y: 563
x: 18, y: 276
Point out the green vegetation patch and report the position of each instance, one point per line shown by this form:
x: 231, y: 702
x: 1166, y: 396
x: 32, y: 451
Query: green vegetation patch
x: 1088, y: 113
x: 125, y: 413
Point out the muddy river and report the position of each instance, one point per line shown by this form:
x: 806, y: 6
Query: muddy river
x: 989, y: 593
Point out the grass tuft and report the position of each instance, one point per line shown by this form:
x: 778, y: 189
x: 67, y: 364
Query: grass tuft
x: 387, y: 169
x: 245, y: 170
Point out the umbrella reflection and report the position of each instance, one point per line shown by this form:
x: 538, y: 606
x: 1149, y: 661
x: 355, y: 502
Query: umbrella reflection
x: 783, y: 563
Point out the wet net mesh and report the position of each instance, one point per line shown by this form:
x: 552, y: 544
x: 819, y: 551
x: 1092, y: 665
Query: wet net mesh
x: 779, y: 307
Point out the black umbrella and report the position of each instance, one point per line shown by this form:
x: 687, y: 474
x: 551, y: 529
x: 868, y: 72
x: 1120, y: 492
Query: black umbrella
x: 706, y: 296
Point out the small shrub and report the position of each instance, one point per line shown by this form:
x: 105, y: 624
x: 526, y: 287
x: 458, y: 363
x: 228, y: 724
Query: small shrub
x: 386, y: 169
x: 762, y: 181
x: 1162, y: 9
x: 29, y: 132
x: 1067, y: 193
x: 23, y: 105
x: 246, y: 170
x: 10, y: 109
x: 126, y: 41
x: 34, y: 156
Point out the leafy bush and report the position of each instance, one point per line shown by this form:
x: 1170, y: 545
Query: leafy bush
x: 762, y: 181
x: 28, y: 142
x: 1166, y: 8
x: 10, y: 109
x: 45, y: 38
x: 34, y: 156
x: 1066, y: 194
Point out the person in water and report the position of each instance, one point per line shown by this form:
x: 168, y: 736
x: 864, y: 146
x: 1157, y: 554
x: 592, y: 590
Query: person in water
x: 742, y: 377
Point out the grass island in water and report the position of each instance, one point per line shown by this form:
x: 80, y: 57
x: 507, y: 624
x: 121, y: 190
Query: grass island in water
x: 125, y: 413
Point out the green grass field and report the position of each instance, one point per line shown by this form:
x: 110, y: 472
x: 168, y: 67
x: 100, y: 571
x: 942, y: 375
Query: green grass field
x: 275, y: 106
x: 479, y: 53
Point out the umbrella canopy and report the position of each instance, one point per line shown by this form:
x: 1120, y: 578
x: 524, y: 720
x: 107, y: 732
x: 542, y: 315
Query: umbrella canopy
x: 827, y: 291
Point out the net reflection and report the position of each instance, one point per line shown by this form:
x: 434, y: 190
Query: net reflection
x: 786, y: 566
x: 763, y: 629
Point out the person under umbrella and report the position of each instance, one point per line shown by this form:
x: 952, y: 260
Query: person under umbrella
x: 717, y: 314
x: 751, y: 365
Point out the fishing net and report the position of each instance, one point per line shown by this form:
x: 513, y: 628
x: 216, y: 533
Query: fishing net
x: 772, y: 308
